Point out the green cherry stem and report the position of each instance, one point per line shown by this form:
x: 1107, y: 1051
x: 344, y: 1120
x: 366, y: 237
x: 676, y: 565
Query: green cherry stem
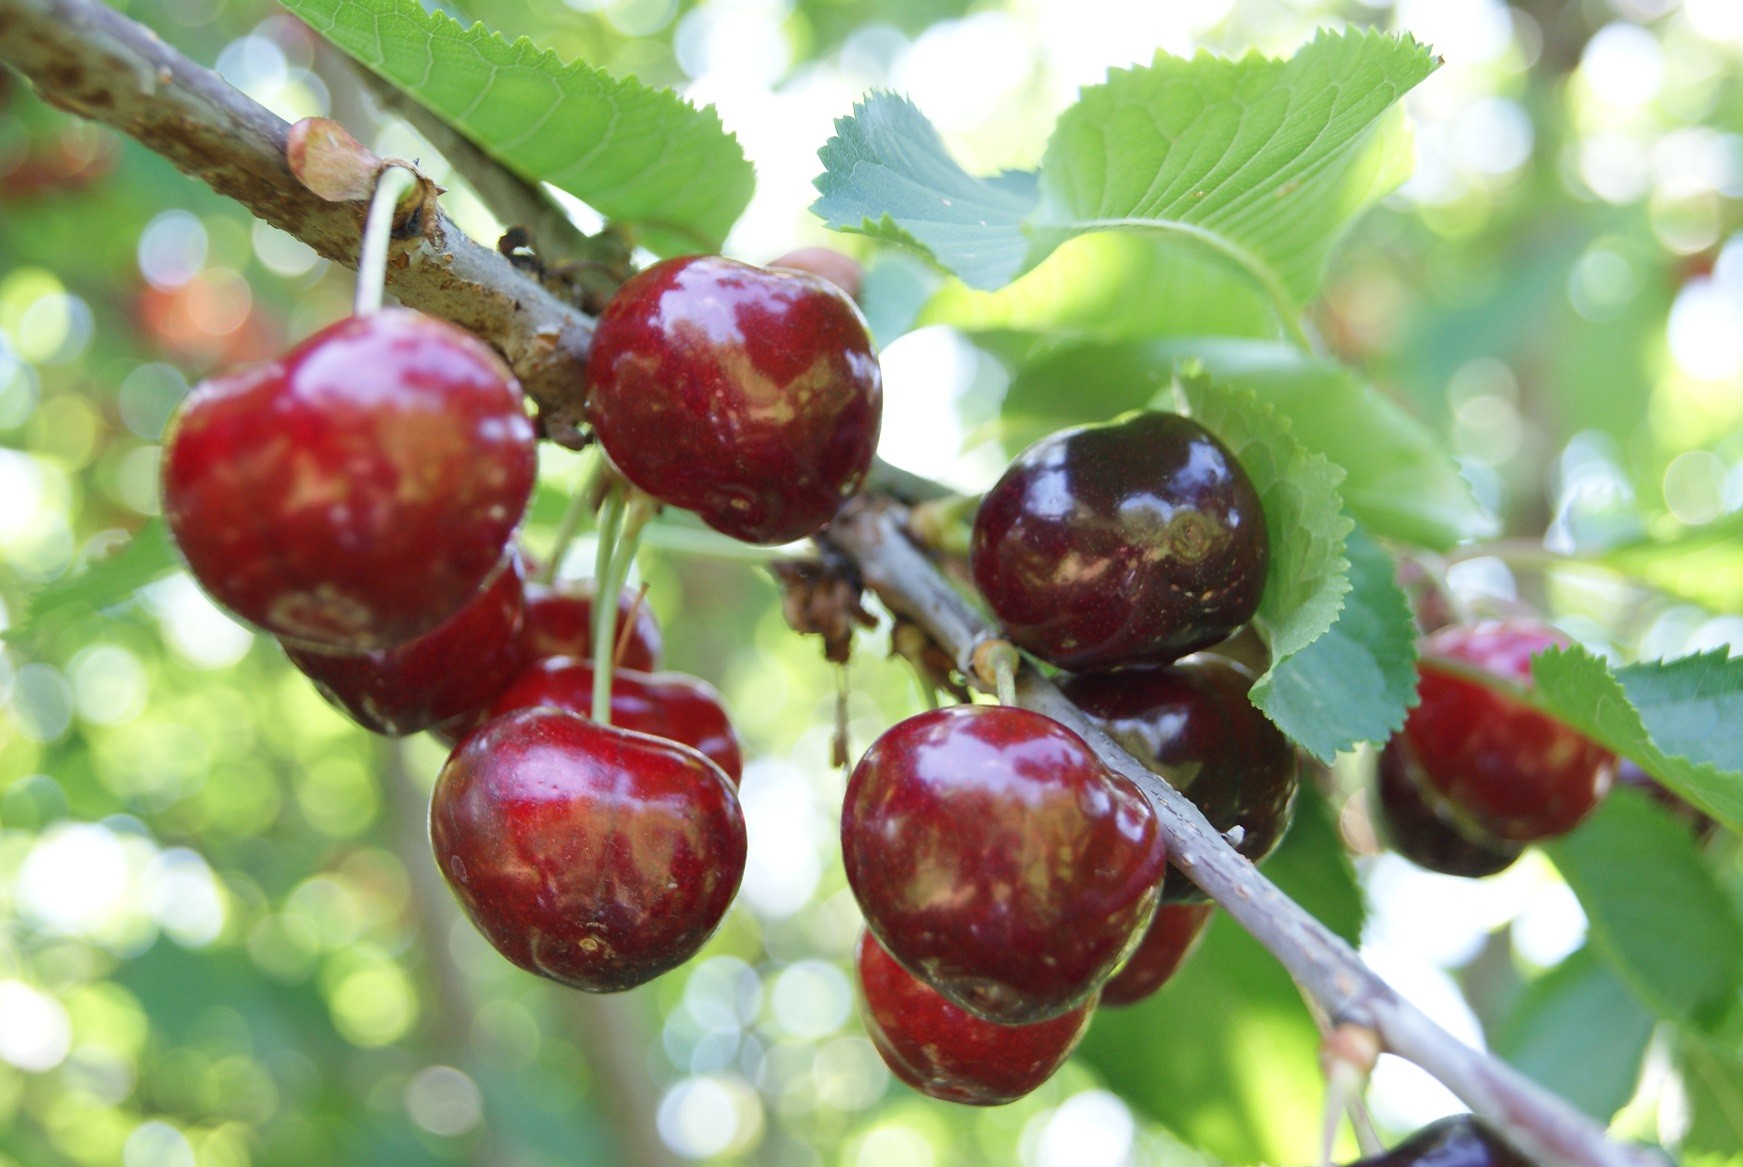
x: 605, y: 602
x: 393, y: 184
x: 626, y: 512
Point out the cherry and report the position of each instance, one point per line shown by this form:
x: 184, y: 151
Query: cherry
x: 667, y: 705
x: 1170, y: 939
x: 560, y: 623
x: 1516, y: 773
x: 948, y: 1053
x: 998, y: 860
x: 1193, y: 724
x: 1629, y: 773
x: 844, y: 271
x: 357, y: 492
x: 447, y: 673
x: 751, y: 397
x: 1132, y: 542
x: 1424, y: 827
x: 592, y: 855
x: 1455, y: 1141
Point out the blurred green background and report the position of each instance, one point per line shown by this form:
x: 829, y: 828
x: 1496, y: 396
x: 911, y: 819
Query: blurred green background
x: 222, y: 937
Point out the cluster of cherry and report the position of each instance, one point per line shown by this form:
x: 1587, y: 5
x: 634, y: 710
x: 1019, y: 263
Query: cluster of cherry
x: 357, y: 500
x: 1010, y: 882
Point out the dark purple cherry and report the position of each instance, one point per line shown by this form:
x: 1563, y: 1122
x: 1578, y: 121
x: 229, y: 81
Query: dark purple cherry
x: 1421, y: 825
x: 357, y: 492
x: 1516, y: 773
x: 1629, y: 773
x: 1456, y: 1141
x: 1169, y: 940
x: 749, y: 396
x: 454, y: 670
x: 560, y: 623
x: 998, y: 860
x: 1193, y: 724
x: 595, y: 856
x: 1133, y: 542
x: 948, y: 1053
x: 670, y: 705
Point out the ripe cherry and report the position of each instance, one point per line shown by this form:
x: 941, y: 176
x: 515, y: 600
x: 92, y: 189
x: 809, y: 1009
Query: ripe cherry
x: 1518, y: 774
x: 1456, y: 1141
x: 1170, y: 939
x: 1133, y: 542
x: 749, y: 396
x: 595, y: 856
x: 668, y: 705
x: 844, y: 271
x: 998, y: 860
x: 357, y: 492
x: 449, y: 672
x: 1630, y: 773
x: 560, y: 623
x: 1424, y: 827
x: 1193, y: 724
x: 948, y: 1053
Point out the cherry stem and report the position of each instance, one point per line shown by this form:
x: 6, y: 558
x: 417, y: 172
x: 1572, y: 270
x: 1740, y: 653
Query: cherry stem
x: 393, y: 184
x: 625, y: 512
x: 624, y: 633
x: 995, y: 663
x: 605, y: 603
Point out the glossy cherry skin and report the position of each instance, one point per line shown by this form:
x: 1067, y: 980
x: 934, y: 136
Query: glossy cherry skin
x: 357, y: 492
x: 1516, y: 773
x: 749, y: 396
x: 948, y: 1053
x: 560, y: 623
x: 1193, y: 724
x: 1455, y: 1141
x: 1133, y: 542
x: 669, y: 705
x: 595, y: 856
x: 1423, y: 826
x: 998, y: 861
x: 451, y: 671
x: 1169, y: 940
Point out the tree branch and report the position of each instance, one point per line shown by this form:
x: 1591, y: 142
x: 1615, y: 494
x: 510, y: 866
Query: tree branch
x: 88, y: 59
x: 1545, y: 1128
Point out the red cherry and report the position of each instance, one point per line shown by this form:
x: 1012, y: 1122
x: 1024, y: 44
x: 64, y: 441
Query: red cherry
x: 447, y: 673
x: 560, y: 623
x: 1133, y: 542
x: 949, y: 1053
x: 998, y: 860
x: 595, y: 856
x: 357, y: 492
x: 1193, y: 723
x: 1517, y: 773
x: 668, y: 705
x: 1424, y: 827
x: 751, y: 397
x: 1171, y: 937
x: 844, y: 271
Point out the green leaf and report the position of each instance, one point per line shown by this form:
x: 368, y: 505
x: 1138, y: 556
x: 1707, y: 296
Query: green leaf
x: 1114, y: 286
x: 1399, y: 481
x: 1698, y: 764
x: 1550, y: 1035
x: 1656, y: 913
x: 1691, y: 706
x: 1225, y: 1055
x: 146, y: 556
x: 1703, y: 564
x: 1259, y: 162
x: 1308, y: 577
x: 1357, y: 682
x: 1712, y: 1076
x: 636, y: 154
